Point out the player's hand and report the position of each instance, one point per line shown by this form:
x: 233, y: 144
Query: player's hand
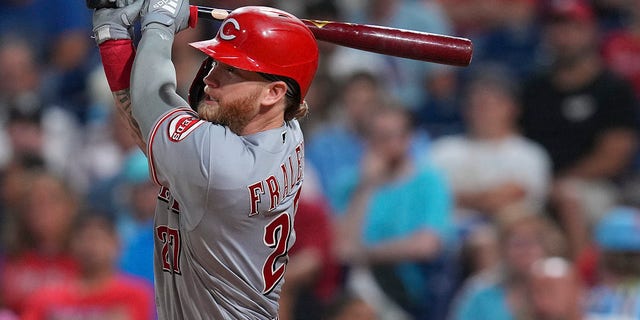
x: 373, y: 168
x: 173, y: 14
x: 115, y: 24
x: 352, y: 253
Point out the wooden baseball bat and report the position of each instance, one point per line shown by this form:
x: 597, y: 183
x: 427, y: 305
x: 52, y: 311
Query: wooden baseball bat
x: 402, y: 43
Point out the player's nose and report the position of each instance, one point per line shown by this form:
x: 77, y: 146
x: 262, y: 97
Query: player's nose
x: 210, y: 80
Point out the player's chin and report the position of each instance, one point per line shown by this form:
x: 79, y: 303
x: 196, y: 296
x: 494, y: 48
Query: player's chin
x: 208, y: 109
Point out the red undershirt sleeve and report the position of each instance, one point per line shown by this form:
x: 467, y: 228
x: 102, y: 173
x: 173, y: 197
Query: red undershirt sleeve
x: 117, y: 59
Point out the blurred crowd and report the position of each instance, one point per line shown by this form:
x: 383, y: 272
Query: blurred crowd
x: 509, y: 189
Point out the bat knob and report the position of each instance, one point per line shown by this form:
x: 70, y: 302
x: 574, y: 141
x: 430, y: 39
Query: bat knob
x: 219, y: 14
x: 100, y: 4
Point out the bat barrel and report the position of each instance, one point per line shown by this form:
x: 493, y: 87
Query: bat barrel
x: 396, y: 42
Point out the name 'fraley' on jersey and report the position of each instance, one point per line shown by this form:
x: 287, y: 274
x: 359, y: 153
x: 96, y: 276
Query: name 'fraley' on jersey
x: 278, y: 189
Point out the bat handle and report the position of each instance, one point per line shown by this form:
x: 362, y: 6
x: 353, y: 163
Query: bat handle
x: 99, y: 4
x: 211, y: 13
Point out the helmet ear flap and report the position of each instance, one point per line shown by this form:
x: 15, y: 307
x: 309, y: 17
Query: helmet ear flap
x: 196, y: 90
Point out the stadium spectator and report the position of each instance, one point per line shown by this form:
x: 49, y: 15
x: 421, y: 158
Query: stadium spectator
x: 513, y: 39
x: 13, y: 186
x: 397, y: 218
x: 58, y: 31
x: 39, y: 255
x: 134, y: 220
x: 492, y: 166
x: 313, y: 274
x: 555, y: 290
x: 339, y: 144
x: 102, y: 162
x: 18, y: 82
x: 29, y: 123
x: 621, y: 46
x: 584, y: 116
x: 616, y: 294
x: 524, y: 238
x: 441, y: 114
x: 99, y: 155
x: 101, y: 291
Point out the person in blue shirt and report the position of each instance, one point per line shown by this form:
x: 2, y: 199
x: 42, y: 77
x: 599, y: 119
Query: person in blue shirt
x: 394, y: 216
x: 135, y: 219
x: 338, y: 147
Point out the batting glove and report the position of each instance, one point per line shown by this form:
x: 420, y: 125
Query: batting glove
x: 173, y: 14
x: 115, y: 24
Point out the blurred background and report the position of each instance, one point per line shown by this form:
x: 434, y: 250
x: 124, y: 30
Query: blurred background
x: 509, y: 189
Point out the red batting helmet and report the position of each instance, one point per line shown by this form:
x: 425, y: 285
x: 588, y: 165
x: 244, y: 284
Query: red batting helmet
x: 265, y: 40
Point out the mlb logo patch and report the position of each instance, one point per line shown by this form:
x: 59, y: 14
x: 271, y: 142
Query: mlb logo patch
x: 181, y: 126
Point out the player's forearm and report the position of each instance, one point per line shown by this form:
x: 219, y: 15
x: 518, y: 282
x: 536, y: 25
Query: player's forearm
x: 122, y: 100
x: 153, y: 83
x: 610, y: 157
x: 420, y: 246
x: 491, y: 200
x: 117, y: 60
x: 350, y: 227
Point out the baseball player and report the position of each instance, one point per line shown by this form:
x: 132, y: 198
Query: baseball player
x: 229, y: 163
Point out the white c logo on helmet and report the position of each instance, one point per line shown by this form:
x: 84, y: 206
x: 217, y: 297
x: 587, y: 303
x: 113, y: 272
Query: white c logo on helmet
x: 225, y: 36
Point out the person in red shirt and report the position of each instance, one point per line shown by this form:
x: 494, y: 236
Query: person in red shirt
x: 101, y: 292
x: 37, y: 253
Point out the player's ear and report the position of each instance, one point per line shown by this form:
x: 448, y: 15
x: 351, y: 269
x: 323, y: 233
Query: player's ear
x: 275, y: 91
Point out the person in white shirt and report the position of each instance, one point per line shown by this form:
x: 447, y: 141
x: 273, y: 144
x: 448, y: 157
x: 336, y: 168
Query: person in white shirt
x: 492, y: 165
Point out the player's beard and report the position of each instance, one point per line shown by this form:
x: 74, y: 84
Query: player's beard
x: 233, y: 113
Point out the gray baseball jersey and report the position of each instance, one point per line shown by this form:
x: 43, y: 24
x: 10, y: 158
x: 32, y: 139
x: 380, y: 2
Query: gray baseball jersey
x: 224, y: 220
